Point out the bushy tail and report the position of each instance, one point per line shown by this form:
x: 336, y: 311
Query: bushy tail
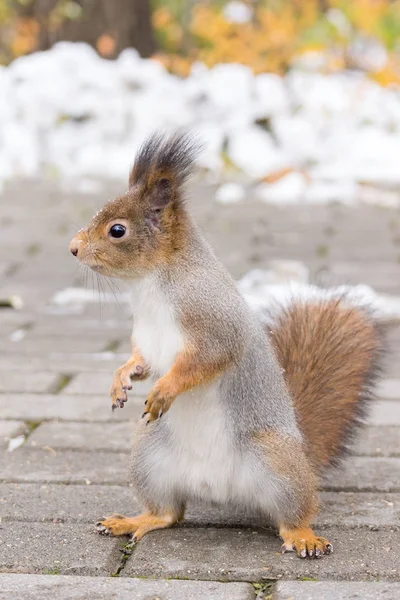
x: 331, y: 355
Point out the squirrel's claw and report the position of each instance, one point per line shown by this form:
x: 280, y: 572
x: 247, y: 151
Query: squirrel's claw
x: 309, y: 549
x: 157, y: 403
x: 100, y: 528
x: 119, y: 403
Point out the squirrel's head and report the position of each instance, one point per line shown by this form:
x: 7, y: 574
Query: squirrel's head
x: 144, y: 228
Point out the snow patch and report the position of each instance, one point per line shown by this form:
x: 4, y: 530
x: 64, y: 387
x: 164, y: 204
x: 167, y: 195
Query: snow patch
x: 69, y: 113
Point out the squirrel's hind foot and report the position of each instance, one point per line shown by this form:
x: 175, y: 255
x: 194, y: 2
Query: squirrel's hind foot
x: 135, y: 526
x: 304, y: 542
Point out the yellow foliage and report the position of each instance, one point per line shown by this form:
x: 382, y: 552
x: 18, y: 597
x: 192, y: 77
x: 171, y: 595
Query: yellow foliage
x: 279, y: 32
x: 106, y: 45
x: 25, y: 36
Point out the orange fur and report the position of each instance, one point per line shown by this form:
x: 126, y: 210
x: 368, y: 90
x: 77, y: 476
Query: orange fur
x: 329, y: 355
x: 187, y: 372
x: 304, y: 541
x: 138, y: 526
x: 287, y: 459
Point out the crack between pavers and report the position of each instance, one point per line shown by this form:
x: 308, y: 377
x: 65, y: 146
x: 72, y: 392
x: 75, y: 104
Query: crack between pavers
x: 394, y: 490
x: 23, y: 435
x: 112, y: 346
x: 128, y: 451
x: 44, y: 447
x: 127, y: 550
x: 61, y: 382
x: 193, y: 526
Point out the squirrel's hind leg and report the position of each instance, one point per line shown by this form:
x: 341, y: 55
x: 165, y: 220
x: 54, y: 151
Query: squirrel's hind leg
x: 296, y: 488
x: 140, y: 525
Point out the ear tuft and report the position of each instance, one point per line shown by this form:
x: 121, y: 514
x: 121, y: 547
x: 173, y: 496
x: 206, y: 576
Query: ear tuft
x: 164, y: 163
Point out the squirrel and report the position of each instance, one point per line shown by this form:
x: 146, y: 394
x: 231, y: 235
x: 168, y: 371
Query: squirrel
x: 238, y: 415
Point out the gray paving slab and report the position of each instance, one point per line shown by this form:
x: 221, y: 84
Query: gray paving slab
x: 30, y: 381
x: 360, y: 473
x: 329, y: 590
x: 64, y: 587
x: 66, y: 326
x: 372, y: 441
x: 389, y: 389
x: 384, y: 412
x: 101, y: 362
x: 35, y: 344
x: 251, y: 555
x: 362, y: 509
x: 9, y: 429
x: 86, y: 503
x: 378, y: 441
x: 381, y: 275
x: 99, y: 383
x: 48, y: 465
x: 65, y: 503
x: 391, y: 363
x: 39, y: 407
x: 89, y: 436
x: 56, y: 548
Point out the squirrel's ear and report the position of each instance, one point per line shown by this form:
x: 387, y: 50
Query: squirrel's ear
x: 160, y: 196
x: 161, y: 193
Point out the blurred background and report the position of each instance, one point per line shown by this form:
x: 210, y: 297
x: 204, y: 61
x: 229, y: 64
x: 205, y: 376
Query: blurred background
x: 299, y: 98
x: 297, y: 103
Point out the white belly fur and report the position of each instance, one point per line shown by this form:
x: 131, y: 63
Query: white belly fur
x: 200, y: 459
x: 155, y: 329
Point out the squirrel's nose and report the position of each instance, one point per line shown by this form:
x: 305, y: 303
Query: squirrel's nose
x: 74, y: 247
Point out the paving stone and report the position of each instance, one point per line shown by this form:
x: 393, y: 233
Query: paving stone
x: 47, y: 465
x: 251, y: 555
x: 65, y: 503
x: 27, y: 381
x: 39, y: 407
x: 100, y: 362
x: 362, y: 509
x: 329, y: 590
x: 56, y: 548
x: 42, y: 587
x: 384, y: 412
x: 48, y: 502
x: 372, y: 441
x: 383, y: 275
x: 34, y: 344
x: 88, y: 436
x: 64, y: 326
x: 99, y: 383
x: 378, y: 441
x: 366, y: 474
x: 9, y: 429
x: 389, y: 389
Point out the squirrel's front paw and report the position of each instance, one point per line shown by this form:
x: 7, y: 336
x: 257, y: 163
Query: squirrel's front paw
x: 117, y: 393
x: 122, y: 381
x: 157, y: 403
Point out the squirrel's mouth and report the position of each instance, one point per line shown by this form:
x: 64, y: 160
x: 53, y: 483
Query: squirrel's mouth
x: 97, y: 268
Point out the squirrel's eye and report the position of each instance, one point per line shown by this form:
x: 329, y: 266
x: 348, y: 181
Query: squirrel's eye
x: 117, y: 231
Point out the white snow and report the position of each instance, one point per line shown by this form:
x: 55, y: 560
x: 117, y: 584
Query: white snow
x: 267, y: 293
x: 69, y: 113
x: 230, y: 193
x: 237, y: 12
x: 290, y: 189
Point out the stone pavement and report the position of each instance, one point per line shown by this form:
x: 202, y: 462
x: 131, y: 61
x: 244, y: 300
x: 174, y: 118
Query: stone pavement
x: 56, y: 363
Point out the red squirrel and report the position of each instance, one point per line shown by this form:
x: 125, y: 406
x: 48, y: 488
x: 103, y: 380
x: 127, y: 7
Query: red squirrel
x: 237, y: 415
